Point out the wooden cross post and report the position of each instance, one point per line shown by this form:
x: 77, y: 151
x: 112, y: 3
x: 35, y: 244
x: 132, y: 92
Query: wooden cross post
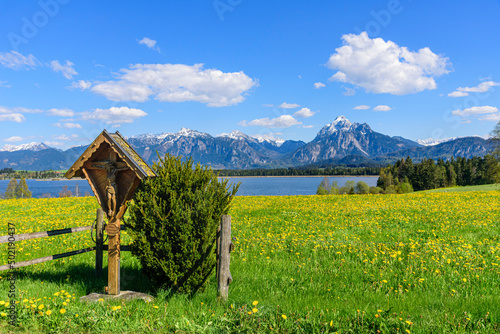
x: 114, y: 170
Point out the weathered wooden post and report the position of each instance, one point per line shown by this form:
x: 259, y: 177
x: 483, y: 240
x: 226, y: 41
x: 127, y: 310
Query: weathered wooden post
x: 99, y: 240
x: 113, y: 170
x: 223, y: 247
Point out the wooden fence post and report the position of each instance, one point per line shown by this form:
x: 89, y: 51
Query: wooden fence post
x: 99, y: 242
x: 224, y: 247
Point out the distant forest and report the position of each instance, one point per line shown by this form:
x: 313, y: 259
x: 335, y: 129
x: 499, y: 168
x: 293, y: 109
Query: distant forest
x: 9, y: 173
x: 429, y: 174
x: 329, y: 171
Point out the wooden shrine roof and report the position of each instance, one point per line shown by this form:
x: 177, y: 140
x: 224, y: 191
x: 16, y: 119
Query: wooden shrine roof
x: 121, y: 147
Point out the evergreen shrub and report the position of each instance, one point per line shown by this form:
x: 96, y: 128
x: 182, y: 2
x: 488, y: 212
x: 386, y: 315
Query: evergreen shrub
x: 173, y: 223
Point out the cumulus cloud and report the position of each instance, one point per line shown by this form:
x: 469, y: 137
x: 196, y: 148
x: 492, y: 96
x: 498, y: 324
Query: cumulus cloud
x: 481, y: 88
x: 66, y: 70
x: 15, y: 139
x: 177, y: 83
x: 361, y: 107
x: 382, y: 108
x: 16, y: 61
x: 304, y: 113
x: 15, y: 114
x: 385, y: 67
x: 284, y: 121
x: 475, y: 111
x: 285, y: 105
x: 68, y: 125
x: 491, y: 117
x: 81, y: 84
x: 61, y: 112
x: 319, y: 85
x: 13, y: 117
x: 114, y: 115
x: 65, y: 137
x: 150, y: 43
x: 349, y: 91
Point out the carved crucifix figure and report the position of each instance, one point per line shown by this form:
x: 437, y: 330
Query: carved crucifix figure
x: 112, y: 168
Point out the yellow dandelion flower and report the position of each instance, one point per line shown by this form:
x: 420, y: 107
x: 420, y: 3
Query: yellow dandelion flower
x: 76, y: 315
x: 249, y: 312
x: 56, y: 294
x: 2, y: 302
x: 379, y: 311
x: 331, y: 323
x: 376, y: 316
x: 155, y: 306
x: 64, y: 303
x: 49, y: 312
x: 384, y: 281
x: 464, y: 279
x: 3, y: 314
x: 255, y: 303
x: 283, y: 316
x: 100, y: 300
x: 254, y: 310
x: 409, y: 322
x: 41, y: 306
x: 62, y: 311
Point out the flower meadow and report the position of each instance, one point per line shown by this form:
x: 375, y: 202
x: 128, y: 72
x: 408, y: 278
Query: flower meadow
x: 414, y: 263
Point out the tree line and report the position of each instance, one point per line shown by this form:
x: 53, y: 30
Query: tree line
x: 429, y: 174
x: 9, y: 173
x: 305, y: 171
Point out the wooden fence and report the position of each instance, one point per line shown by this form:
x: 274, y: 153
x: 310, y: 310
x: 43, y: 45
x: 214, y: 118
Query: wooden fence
x: 99, y: 247
x: 223, y: 247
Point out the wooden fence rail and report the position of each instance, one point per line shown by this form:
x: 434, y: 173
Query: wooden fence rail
x: 223, y: 247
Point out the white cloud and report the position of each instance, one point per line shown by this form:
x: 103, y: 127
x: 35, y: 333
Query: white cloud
x: 285, y: 105
x: 114, y: 115
x: 177, y: 83
x: 491, y: 117
x: 61, y: 112
x: 21, y: 110
x: 268, y: 105
x: 384, y: 67
x: 382, y: 108
x: 68, y: 125
x: 64, y: 137
x: 53, y: 143
x: 361, y: 107
x: 81, y: 84
x: 481, y: 88
x: 284, y: 121
x: 12, y: 117
x: 307, y: 126
x: 458, y: 94
x: 14, y: 139
x: 319, y: 85
x: 67, y: 70
x: 150, y: 43
x: 16, y: 61
x: 4, y: 84
x: 475, y: 111
x: 304, y: 113
x: 15, y: 114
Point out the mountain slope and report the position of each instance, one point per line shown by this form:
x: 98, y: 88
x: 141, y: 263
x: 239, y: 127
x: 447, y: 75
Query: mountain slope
x: 342, y: 138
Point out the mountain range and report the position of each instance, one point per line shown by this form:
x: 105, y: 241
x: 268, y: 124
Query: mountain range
x: 341, y: 142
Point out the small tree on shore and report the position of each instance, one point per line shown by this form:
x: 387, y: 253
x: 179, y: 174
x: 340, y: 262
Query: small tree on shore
x: 22, y: 190
x: 10, y: 192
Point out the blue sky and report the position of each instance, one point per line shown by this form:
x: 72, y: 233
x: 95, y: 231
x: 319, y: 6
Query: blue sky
x: 417, y: 69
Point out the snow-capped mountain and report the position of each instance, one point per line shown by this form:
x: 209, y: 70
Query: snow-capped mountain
x: 432, y: 142
x: 340, y: 142
x: 35, y: 147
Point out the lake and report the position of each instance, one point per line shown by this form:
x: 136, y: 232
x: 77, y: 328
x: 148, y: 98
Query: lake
x: 250, y: 186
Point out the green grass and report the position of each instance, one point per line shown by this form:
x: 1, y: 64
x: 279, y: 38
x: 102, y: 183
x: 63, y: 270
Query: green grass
x: 484, y: 187
x: 423, y: 263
